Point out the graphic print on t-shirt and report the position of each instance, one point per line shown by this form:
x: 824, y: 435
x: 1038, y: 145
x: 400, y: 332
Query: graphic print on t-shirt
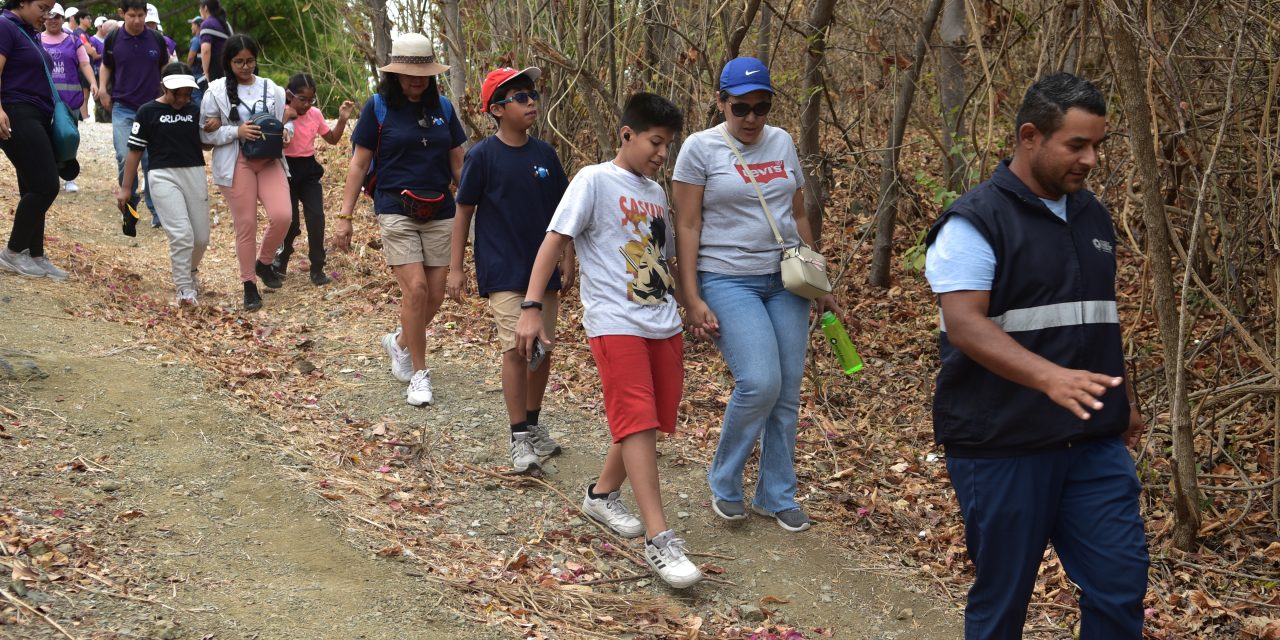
x: 764, y: 172
x: 651, y: 280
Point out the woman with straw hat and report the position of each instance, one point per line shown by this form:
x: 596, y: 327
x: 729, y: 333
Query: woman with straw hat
x: 408, y: 151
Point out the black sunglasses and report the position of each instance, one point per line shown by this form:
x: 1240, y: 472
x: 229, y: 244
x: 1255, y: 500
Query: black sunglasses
x: 523, y: 97
x: 741, y: 109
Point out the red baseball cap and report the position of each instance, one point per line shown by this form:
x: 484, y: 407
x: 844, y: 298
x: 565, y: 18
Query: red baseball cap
x: 499, y: 77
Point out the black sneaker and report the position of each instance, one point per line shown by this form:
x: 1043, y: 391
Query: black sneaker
x: 318, y: 278
x: 281, y: 265
x: 268, y: 275
x: 252, y: 301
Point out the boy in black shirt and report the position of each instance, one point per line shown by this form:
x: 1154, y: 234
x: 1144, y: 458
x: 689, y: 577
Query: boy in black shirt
x: 168, y: 129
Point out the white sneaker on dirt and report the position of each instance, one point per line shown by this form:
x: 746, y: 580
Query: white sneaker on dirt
x: 419, y: 392
x: 186, y: 297
x: 72, y: 187
x: 665, y: 554
x: 523, y: 458
x: 46, y: 266
x: 610, y: 512
x: 543, y: 443
x: 401, y: 362
x: 20, y: 263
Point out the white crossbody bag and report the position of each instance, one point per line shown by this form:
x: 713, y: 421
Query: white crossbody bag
x: 804, y: 271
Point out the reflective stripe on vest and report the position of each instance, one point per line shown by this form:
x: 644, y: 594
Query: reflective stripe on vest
x: 1063, y: 314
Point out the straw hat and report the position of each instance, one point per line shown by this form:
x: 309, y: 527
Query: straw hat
x: 412, y: 55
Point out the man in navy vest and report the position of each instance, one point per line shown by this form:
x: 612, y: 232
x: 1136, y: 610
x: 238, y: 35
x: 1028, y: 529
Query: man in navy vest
x: 1031, y: 404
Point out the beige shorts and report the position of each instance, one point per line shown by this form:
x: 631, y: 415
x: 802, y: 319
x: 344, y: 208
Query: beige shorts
x: 406, y: 241
x: 505, y: 307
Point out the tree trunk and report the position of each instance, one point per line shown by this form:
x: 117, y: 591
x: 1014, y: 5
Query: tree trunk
x: 886, y: 210
x: 456, y: 58
x: 733, y: 41
x: 1138, y: 114
x: 381, y: 27
x: 764, y: 37
x: 951, y: 93
x: 811, y: 159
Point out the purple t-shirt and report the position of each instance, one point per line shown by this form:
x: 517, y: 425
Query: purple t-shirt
x: 172, y: 44
x: 136, y: 77
x: 98, y: 44
x: 24, y: 79
x: 217, y: 42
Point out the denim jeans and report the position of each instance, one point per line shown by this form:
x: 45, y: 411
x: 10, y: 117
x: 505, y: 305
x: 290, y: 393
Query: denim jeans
x: 763, y: 336
x: 121, y: 125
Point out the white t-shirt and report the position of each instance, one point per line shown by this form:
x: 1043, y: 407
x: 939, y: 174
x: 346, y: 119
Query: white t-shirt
x: 622, y: 234
x: 251, y: 99
x: 736, y: 238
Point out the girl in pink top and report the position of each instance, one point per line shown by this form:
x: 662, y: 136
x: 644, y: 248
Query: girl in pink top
x: 307, y: 123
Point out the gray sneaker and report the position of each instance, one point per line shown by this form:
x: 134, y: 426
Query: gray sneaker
x: 793, y: 520
x: 543, y: 443
x: 729, y: 509
x: 46, y: 266
x: 20, y: 263
x: 523, y: 458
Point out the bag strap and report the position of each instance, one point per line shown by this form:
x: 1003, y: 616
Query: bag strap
x: 724, y: 133
x: 57, y: 99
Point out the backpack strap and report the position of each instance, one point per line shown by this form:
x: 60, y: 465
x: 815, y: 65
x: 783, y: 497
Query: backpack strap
x: 164, y: 48
x: 446, y: 107
x: 108, y: 49
x: 379, y: 111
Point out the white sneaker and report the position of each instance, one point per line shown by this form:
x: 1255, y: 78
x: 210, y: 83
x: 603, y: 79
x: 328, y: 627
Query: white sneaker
x: 20, y: 263
x: 401, y: 362
x: 186, y: 297
x: 523, y: 459
x: 543, y: 443
x: 665, y: 554
x: 71, y: 186
x: 419, y: 392
x: 610, y: 512
x: 47, y: 267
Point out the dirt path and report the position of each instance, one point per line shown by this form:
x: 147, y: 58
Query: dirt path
x: 168, y: 490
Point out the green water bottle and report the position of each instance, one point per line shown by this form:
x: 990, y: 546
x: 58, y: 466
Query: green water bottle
x: 838, y: 338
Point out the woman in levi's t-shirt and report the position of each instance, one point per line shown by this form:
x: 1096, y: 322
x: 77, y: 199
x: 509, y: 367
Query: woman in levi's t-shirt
x: 306, y: 122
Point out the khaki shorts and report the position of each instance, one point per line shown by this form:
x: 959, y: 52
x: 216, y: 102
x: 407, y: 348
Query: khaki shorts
x: 505, y: 307
x: 406, y: 241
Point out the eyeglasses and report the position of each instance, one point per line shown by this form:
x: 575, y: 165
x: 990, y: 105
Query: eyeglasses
x: 523, y: 98
x: 243, y: 62
x: 741, y: 109
x: 303, y: 100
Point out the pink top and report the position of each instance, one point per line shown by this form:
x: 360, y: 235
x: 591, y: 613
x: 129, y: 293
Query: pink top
x: 305, y: 129
x: 82, y: 56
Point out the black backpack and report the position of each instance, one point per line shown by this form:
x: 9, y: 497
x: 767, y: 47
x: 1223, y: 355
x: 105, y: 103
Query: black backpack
x: 271, y: 144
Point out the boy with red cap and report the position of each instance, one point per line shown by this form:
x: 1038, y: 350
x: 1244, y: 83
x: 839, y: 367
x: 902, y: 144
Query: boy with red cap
x: 511, y: 184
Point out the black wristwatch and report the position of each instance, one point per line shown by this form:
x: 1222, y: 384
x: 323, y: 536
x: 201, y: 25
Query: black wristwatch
x: 531, y: 304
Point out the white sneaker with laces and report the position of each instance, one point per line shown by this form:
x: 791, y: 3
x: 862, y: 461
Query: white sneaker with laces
x: 523, y: 458
x: 20, y: 263
x: 72, y: 187
x: 186, y: 297
x: 419, y: 392
x: 611, y: 512
x: 543, y: 443
x: 401, y: 362
x: 665, y: 554
x: 49, y: 270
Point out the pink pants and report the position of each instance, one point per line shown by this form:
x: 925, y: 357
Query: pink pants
x: 258, y: 181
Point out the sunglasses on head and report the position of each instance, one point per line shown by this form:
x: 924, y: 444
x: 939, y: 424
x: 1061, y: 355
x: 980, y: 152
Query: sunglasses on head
x: 741, y: 109
x: 523, y: 97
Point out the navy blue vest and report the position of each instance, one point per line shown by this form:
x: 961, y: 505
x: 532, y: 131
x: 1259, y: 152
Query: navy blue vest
x: 1054, y: 294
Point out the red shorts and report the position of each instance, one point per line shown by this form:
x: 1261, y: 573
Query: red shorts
x: 643, y: 379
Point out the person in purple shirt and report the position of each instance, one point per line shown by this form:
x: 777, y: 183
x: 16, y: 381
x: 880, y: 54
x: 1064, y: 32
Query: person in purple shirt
x: 214, y: 32
x: 133, y: 57
x: 153, y: 23
x: 26, y: 135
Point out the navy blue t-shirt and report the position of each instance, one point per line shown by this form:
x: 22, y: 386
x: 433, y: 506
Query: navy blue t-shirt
x: 515, y: 190
x: 410, y: 156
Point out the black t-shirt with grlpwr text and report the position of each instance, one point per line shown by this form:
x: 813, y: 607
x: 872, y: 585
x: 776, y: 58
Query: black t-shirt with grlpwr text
x: 170, y: 136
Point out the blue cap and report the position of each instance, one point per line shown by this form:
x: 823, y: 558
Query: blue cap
x: 744, y: 75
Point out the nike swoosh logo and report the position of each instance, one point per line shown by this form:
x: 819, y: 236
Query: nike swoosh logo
x: 751, y: 72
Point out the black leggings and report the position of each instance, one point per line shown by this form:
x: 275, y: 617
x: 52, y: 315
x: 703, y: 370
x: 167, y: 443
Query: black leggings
x: 304, y: 187
x: 30, y: 149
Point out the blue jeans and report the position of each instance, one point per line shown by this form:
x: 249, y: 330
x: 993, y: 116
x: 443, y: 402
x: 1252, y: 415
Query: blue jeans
x: 764, y: 331
x: 121, y: 125
x: 1084, y: 499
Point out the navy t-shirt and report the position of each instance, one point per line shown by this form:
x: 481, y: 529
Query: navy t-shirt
x: 515, y: 190
x: 409, y: 155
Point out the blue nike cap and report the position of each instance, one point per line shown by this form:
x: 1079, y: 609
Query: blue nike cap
x: 744, y: 75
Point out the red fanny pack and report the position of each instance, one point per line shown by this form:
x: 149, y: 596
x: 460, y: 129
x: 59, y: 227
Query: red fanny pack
x: 421, y: 206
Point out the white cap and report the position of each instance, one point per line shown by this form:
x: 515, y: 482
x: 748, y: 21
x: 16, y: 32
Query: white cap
x: 153, y: 15
x: 71, y: 13
x: 97, y: 22
x: 57, y: 11
x: 179, y: 81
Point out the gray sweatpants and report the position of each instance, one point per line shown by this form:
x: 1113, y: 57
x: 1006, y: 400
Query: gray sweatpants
x: 181, y: 197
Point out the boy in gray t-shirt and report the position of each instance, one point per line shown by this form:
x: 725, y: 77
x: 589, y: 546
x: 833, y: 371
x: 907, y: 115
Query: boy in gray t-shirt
x: 617, y: 218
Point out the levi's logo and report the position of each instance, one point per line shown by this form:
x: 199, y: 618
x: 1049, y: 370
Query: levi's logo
x: 763, y: 172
